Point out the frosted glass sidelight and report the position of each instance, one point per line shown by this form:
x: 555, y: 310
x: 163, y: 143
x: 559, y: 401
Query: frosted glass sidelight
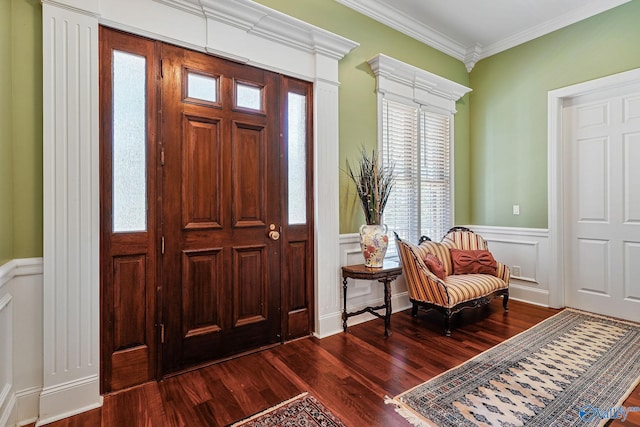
x: 202, y: 87
x: 129, y: 143
x: 248, y: 97
x: 297, y: 157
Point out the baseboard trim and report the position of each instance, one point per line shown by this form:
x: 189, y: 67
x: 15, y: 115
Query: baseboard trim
x: 68, y: 399
x: 529, y: 295
x: 332, y: 323
x: 28, y: 405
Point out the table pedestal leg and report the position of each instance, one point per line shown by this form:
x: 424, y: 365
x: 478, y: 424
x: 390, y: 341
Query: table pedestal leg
x: 387, y: 303
x: 344, y: 311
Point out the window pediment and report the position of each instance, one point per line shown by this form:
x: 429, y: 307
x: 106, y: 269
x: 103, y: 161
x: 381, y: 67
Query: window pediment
x: 400, y: 79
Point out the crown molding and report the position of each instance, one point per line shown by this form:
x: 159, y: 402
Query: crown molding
x: 407, y: 25
x: 269, y: 24
x: 588, y: 10
x: 470, y: 55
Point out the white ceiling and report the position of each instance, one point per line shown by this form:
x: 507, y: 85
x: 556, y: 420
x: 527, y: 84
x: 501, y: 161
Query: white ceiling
x: 470, y: 30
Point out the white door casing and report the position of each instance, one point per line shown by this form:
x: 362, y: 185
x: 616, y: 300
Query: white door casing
x: 238, y: 29
x: 602, y: 201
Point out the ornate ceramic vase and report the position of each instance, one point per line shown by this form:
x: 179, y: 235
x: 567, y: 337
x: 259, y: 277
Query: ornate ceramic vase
x: 373, y: 242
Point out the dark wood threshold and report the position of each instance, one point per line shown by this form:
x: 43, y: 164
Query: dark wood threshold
x: 350, y: 373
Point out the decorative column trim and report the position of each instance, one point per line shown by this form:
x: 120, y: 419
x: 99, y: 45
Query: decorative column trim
x: 71, y: 278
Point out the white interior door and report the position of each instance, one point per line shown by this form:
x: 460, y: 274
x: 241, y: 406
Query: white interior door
x: 602, y: 200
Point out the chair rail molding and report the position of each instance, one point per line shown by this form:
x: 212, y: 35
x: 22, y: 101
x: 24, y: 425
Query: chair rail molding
x: 236, y: 29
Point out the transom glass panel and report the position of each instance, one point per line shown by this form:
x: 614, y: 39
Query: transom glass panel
x: 248, y: 96
x: 202, y: 87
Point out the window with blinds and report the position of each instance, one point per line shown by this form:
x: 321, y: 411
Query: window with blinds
x: 417, y: 143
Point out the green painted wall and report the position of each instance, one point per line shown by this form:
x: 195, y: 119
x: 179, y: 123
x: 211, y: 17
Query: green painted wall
x: 20, y: 129
x: 27, y: 128
x: 508, y: 121
x: 357, y: 92
x: 500, y: 133
x: 6, y: 138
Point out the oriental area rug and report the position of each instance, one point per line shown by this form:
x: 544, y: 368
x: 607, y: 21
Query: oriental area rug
x: 573, y: 369
x: 302, y: 410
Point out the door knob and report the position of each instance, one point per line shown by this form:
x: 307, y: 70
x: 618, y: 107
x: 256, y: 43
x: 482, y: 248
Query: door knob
x: 273, y: 234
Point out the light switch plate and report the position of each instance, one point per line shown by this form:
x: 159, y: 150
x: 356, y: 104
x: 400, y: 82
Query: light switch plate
x: 516, y: 209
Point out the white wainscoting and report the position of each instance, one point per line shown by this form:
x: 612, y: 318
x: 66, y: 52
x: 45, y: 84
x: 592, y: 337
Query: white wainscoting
x: 20, y: 341
x: 526, y: 248
x: 360, y: 293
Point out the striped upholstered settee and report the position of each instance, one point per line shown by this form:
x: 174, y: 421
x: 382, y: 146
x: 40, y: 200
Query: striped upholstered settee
x: 451, y: 292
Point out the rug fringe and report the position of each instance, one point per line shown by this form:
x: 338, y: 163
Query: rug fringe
x: 406, y: 413
x: 270, y: 409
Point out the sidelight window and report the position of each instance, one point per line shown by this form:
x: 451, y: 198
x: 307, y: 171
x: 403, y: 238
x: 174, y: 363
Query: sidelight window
x: 129, y: 143
x: 297, y: 155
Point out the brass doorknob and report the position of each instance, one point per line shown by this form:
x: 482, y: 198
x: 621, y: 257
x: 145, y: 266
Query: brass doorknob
x: 274, y: 235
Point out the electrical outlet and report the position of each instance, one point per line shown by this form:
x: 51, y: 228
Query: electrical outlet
x: 516, y: 209
x: 516, y: 270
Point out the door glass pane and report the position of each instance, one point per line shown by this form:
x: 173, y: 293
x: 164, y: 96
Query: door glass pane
x: 202, y: 87
x: 297, y: 157
x: 129, y: 143
x: 248, y: 96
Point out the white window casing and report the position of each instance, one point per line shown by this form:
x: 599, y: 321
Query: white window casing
x: 415, y: 134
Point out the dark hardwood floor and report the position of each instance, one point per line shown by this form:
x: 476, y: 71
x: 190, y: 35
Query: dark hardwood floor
x: 350, y: 373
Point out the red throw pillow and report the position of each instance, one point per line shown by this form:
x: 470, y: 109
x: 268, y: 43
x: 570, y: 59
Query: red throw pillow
x: 473, y: 262
x: 435, y: 266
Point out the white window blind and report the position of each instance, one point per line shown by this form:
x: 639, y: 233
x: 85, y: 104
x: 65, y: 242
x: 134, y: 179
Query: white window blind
x: 399, y: 147
x: 417, y: 143
x: 435, y: 175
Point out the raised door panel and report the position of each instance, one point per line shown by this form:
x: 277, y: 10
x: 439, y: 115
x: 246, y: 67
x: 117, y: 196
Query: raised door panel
x: 129, y: 289
x: 631, y: 195
x: 249, y: 175
x: 203, y: 279
x: 202, y: 176
x: 592, y: 264
x: 250, y: 281
x: 593, y: 179
x: 631, y: 251
x: 298, y: 316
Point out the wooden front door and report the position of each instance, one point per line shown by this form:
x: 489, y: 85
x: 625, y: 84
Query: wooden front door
x: 221, y: 207
x: 206, y: 208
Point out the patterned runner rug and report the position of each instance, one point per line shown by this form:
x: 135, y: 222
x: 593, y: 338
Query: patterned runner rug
x: 573, y: 369
x: 302, y: 410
